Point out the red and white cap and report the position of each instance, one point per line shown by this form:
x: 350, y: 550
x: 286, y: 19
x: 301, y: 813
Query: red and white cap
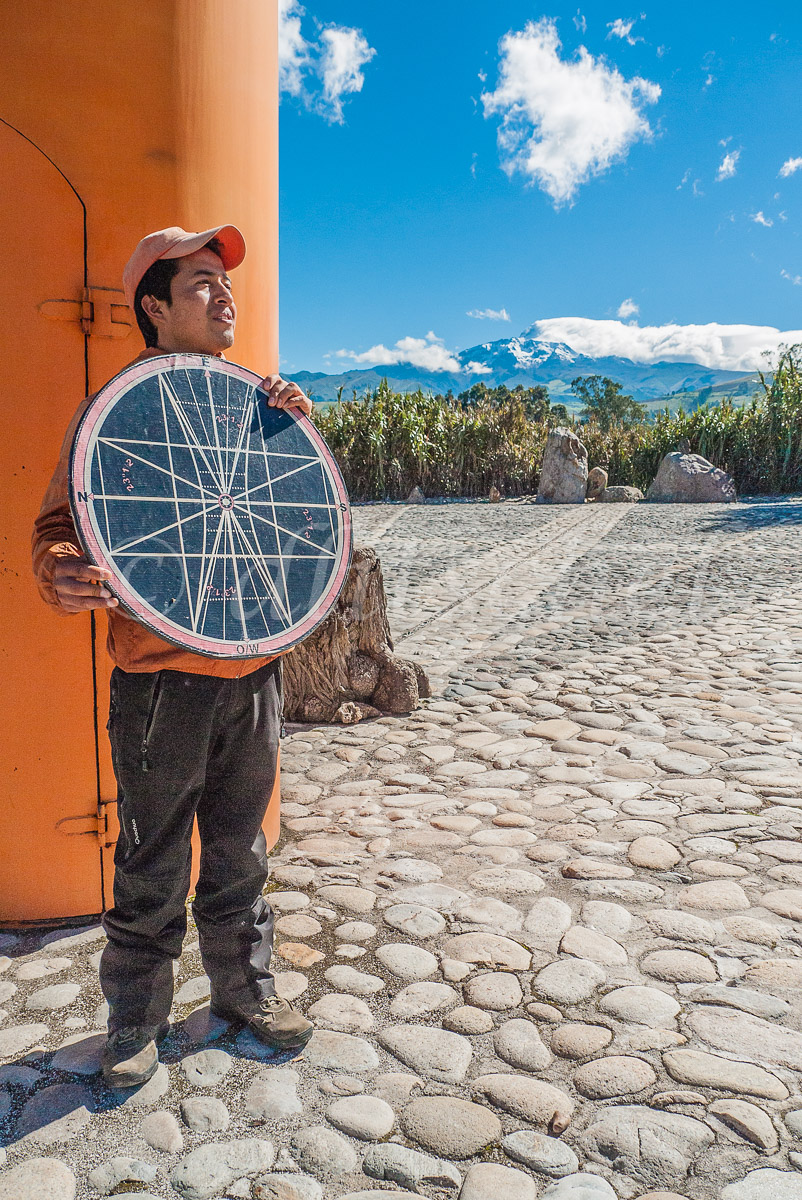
x: 175, y: 243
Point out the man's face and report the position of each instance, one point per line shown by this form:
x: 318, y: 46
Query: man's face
x: 201, y: 316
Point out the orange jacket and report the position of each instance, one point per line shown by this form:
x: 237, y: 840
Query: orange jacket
x: 131, y: 646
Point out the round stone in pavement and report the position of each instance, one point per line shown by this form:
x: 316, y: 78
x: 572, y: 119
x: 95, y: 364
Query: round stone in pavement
x: 519, y: 1043
x: 346, y: 1013
x: 679, y: 966
x: 765, y: 1184
x: 210, y: 1169
x: 286, y: 1187
x: 614, y: 1075
x: 80, y: 1056
x: 435, y: 1053
x: 406, y: 961
x: 365, y: 1117
x: 582, y: 1186
x: 204, y: 1113
x: 642, y: 1005
x: 421, y: 998
x: 42, y: 1178
x: 108, y: 1177
x: 547, y: 1155
x: 352, y: 899
x: 57, y: 995
x: 340, y: 1052
x: 56, y: 1114
x: 206, y: 1068
x: 357, y: 983
x: 575, y: 1040
x: 467, y: 1019
x: 569, y: 981
x: 495, y: 990
x: 162, y: 1132
x: 322, y: 1152
x: 450, y: 1127
x: 491, y: 1179
x: 527, y: 1098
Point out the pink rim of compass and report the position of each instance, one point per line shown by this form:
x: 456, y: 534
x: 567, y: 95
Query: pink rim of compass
x: 80, y: 480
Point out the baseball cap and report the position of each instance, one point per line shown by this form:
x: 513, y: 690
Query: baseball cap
x: 175, y: 243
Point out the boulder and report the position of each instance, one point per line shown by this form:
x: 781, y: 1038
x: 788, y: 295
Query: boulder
x: 597, y: 482
x: 690, y: 479
x: 416, y: 496
x: 620, y: 495
x: 494, y: 495
x: 564, y: 474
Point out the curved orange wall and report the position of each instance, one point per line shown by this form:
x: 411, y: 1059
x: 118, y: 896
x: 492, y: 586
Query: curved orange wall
x: 158, y: 112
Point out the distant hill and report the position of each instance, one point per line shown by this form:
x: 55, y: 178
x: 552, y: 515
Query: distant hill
x: 529, y: 360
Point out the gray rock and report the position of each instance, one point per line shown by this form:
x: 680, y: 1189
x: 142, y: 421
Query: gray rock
x: 749, y: 1121
x: 57, y: 995
x: 582, y: 1186
x: 519, y: 1043
x: 739, y: 1032
x: 342, y: 1012
x: 450, y: 1127
x: 109, y: 1175
x: 17, y: 1076
x: 356, y: 983
x: 161, y: 1131
x: 699, y: 1069
x: 150, y: 1092
x: 494, y: 990
x: 38, y: 1179
x: 576, y: 1040
x: 203, y: 1114
x: 527, y: 1098
x: 546, y: 1155
x: 410, y: 1168
x: 19, y: 1038
x: 340, y: 1052
x: 206, y: 1068
x: 620, y: 494
x: 322, y: 1152
x: 758, y: 1004
x: 690, y: 479
x: 350, y: 931
x: 597, y: 947
x: 56, y: 1114
x: 613, y: 1075
x: 273, y: 1095
x: 467, y: 1019
x: 492, y: 1179
x: 286, y: 1187
x: 352, y: 899
x: 765, y: 1184
x: 653, y: 1147
x: 407, y: 962
x: 506, y: 883
x: 641, y: 1005
x: 436, y: 1053
x: 365, y: 1117
x: 679, y: 966
x: 214, y: 1167
x: 80, y: 1056
x: 564, y: 472
x: 546, y: 922
x: 195, y: 989
x: 416, y: 920
x: 487, y: 950
x: 569, y: 981
x: 421, y: 998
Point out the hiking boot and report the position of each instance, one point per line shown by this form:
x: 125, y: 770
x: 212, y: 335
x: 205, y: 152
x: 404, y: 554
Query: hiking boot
x: 131, y: 1056
x: 275, y: 1022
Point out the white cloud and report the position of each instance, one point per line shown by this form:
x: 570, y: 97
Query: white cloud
x: 580, y: 21
x: 796, y: 280
x: 627, y: 308
x: 345, y: 53
x: 489, y: 314
x: 728, y: 347
x: 760, y: 219
x: 729, y: 165
x: 623, y: 29
x: 563, y: 122
x: 428, y: 352
x: 790, y: 167
x: 322, y: 72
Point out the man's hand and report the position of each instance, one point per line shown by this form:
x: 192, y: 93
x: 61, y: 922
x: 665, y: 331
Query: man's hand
x: 79, y: 586
x: 281, y: 394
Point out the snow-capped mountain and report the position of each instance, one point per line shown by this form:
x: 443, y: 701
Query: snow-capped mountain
x: 527, y: 360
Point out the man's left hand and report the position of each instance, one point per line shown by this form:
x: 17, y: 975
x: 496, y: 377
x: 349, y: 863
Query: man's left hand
x: 281, y: 394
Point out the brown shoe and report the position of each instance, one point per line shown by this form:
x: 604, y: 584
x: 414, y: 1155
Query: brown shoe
x: 131, y: 1055
x: 275, y: 1022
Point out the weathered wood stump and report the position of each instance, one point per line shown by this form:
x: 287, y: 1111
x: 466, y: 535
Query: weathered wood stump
x: 346, y: 669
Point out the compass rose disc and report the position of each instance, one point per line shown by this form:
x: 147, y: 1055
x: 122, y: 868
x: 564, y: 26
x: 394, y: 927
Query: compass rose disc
x: 225, y: 523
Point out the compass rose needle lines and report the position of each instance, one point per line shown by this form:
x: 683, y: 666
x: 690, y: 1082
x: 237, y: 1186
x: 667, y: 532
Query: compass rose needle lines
x: 261, y: 565
x: 192, y: 442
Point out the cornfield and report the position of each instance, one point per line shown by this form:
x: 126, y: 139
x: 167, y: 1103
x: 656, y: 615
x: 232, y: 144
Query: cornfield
x: 388, y: 443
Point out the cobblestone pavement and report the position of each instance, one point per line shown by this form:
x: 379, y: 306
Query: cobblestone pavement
x: 547, y: 925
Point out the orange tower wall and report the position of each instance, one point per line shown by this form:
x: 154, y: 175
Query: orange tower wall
x: 117, y: 117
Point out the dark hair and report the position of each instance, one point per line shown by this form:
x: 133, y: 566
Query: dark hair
x: 157, y: 282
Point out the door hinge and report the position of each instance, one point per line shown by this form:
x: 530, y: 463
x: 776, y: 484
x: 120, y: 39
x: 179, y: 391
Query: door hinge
x: 93, y: 824
x: 101, y: 312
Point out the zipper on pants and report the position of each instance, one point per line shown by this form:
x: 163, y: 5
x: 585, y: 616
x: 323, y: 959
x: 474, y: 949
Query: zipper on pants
x: 155, y: 701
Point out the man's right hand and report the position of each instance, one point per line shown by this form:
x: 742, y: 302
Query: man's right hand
x: 79, y: 585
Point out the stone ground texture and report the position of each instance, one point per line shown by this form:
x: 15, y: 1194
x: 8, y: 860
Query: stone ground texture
x: 547, y: 925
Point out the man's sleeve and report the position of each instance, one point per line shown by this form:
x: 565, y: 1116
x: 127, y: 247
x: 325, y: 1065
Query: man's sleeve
x: 54, y: 533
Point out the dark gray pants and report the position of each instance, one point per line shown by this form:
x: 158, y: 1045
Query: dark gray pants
x: 184, y: 746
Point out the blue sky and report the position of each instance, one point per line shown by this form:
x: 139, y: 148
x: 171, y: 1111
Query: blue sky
x: 540, y: 162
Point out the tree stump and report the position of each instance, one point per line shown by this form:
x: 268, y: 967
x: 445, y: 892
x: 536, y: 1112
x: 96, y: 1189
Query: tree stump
x: 346, y: 669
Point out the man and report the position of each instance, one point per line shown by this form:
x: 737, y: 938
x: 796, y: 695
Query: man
x: 191, y: 736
